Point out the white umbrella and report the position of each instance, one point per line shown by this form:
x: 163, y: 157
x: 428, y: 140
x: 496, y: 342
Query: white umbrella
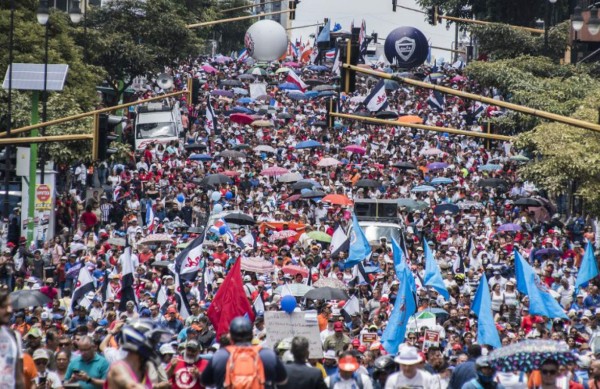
x: 432, y: 151
x: 290, y: 177
x: 265, y: 149
x: 326, y: 162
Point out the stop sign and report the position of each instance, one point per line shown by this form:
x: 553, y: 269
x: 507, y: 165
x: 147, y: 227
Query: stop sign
x: 43, y: 193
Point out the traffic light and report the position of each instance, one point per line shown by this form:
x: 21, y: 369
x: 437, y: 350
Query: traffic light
x: 104, y: 134
x: 432, y: 15
x: 394, y: 5
x: 292, y: 5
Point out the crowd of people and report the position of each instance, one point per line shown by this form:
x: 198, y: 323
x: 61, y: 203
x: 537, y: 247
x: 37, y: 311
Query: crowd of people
x: 102, y: 339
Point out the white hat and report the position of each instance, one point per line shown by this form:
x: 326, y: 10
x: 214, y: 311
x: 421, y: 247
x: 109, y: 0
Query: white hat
x: 166, y: 349
x: 329, y: 354
x: 407, y: 355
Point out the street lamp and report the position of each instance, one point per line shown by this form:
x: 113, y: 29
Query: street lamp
x: 577, y: 19
x: 75, y: 12
x: 548, y: 21
x: 594, y: 22
x: 43, y: 14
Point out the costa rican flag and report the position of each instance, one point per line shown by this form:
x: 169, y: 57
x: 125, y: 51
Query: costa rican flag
x: 294, y: 79
x: 217, y: 228
x: 150, y: 217
x: 274, y: 103
x: 243, y: 55
x: 330, y: 54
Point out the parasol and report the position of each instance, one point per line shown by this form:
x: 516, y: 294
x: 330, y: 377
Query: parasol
x: 285, y: 234
x: 290, y: 177
x: 337, y: 199
x: 423, y: 188
x: 256, y: 265
x: 530, y: 354
x: 264, y: 149
x: 22, y: 299
x: 294, y: 269
x: 330, y: 283
x: 240, y: 219
x: 320, y: 236
x: 326, y: 293
x: 509, y: 227
x: 355, y: 149
x: 274, y: 171
x: 327, y: 162
x: 156, y: 239
x: 404, y: 165
x: 442, y: 181
x: 367, y: 183
x: 437, y: 165
x: 298, y: 290
x: 232, y: 154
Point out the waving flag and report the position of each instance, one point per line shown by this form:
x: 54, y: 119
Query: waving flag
x: 230, y: 301
x: 589, y: 267
x: 541, y: 301
x: 339, y: 242
x: 377, y: 99
x: 436, y: 101
x: 433, y: 276
x: 330, y: 55
x: 404, y: 307
x: 337, y: 64
x: 487, y: 333
x: 362, y: 42
x: 150, y: 217
x: 325, y: 34
x: 295, y: 79
x: 187, y: 263
x: 243, y: 55
x: 84, y: 285
x: 211, y: 119
x: 359, y: 245
x: 127, y: 290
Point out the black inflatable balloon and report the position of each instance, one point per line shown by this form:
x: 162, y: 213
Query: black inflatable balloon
x: 406, y: 47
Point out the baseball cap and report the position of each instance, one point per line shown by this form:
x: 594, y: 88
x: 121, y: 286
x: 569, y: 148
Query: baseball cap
x: 338, y: 327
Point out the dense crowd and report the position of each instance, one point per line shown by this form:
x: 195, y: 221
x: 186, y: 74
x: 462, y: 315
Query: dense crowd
x: 164, y: 190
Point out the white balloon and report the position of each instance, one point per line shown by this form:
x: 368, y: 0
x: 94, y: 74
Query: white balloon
x: 215, y: 196
x: 266, y: 40
x: 218, y: 208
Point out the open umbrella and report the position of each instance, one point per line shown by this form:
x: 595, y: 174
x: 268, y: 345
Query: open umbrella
x: 305, y: 184
x: 274, y: 171
x: 308, y: 144
x: 326, y: 293
x: 337, y: 199
x: 116, y: 242
x: 437, y: 165
x: 161, y: 264
x: 265, y: 149
x: 240, y: 219
x: 215, y: 179
x: 262, y: 123
x: 22, y: 299
x: 290, y: 177
x: 410, y: 119
x: 324, y: 282
x: 367, y: 183
x: 257, y: 72
x: 297, y: 96
x: 442, y: 181
x: 404, y: 165
x: 232, y: 154
x: 391, y: 85
x: 489, y: 167
x: 412, y: 205
x: 282, y: 70
x: 355, y: 149
x: 519, y: 158
x: 529, y: 355
x: 245, y: 100
x: 432, y: 151
x: 294, y: 270
x: 492, y: 183
x: 509, y: 227
x: 291, y: 64
x: 547, y: 251
x: 423, y: 188
x: 256, y: 265
x: 240, y: 109
x: 156, y: 239
x: 241, y: 118
x: 442, y: 208
x: 241, y: 146
x: 288, y: 86
x: 528, y: 202
x: 386, y: 115
x: 311, y: 194
x: 318, y: 68
x: 231, y: 173
x: 327, y: 162
x: 200, y: 157
x: 468, y: 204
x: 284, y: 115
x: 209, y: 69
x: 195, y: 147
x: 320, y: 236
x: 421, y: 320
x: 222, y: 92
x: 240, y: 91
x: 298, y: 290
x: 248, y: 77
x: 232, y: 83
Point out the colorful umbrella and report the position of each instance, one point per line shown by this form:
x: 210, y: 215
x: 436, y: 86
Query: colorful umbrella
x: 423, y: 188
x: 200, y: 157
x: 412, y: 205
x: 22, y: 299
x: 282, y: 70
x: 274, y: 171
x: 509, y: 227
x: 432, y: 151
x: 241, y: 118
x: 209, y: 69
x: 293, y: 270
x: 256, y: 265
x: 156, y: 239
x: 320, y: 236
x: 410, y: 119
x: 265, y: 149
x: 530, y: 354
x: 337, y: 199
x: 288, y: 86
x: 327, y: 162
x: 442, y: 181
x: 231, y: 173
x: 298, y: 290
x: 290, y: 177
x: 326, y: 282
x: 355, y: 149
x: 437, y: 165
x: 308, y: 144
x: 262, y: 123
x: 489, y: 167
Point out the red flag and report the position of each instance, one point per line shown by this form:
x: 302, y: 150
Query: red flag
x: 230, y: 301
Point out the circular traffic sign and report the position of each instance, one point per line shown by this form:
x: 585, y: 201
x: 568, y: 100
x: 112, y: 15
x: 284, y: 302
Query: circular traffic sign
x: 43, y: 193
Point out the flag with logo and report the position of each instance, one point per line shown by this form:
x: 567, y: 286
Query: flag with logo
x: 362, y: 42
x: 359, y: 245
x: 377, y: 99
x: 541, y: 301
x: 243, y: 55
x: 150, y: 223
x: 187, y: 263
x: 339, y: 242
x: 127, y: 266
x: 84, y: 285
x: 436, y: 101
x: 295, y: 79
x: 325, y: 34
x: 210, y: 125
x: 337, y: 64
x: 330, y: 55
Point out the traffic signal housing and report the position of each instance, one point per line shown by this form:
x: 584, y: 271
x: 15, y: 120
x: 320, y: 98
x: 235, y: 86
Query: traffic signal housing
x: 292, y: 6
x: 394, y: 5
x: 432, y: 15
x: 104, y: 134
x: 349, y: 53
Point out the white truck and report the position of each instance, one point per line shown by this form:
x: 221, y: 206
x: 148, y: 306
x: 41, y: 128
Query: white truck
x: 157, y: 123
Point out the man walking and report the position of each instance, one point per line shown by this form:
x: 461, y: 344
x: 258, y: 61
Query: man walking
x: 300, y: 374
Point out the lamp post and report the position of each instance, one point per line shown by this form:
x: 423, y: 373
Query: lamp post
x: 577, y: 24
x: 549, y: 9
x: 43, y: 18
x: 8, y: 149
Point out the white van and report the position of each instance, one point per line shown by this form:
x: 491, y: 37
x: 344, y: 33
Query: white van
x: 156, y: 123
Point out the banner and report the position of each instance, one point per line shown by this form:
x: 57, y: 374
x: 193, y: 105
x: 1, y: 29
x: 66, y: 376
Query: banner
x: 281, y: 325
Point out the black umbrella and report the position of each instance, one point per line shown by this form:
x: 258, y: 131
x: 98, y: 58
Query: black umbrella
x: 161, y: 264
x: 284, y: 115
x: 320, y: 88
x: 493, y: 183
x: 314, y: 81
x: 22, y: 299
x: 320, y: 123
x: 241, y: 146
x: 404, y: 165
x: 195, y: 230
x: 313, y: 194
x: 367, y: 183
x: 240, y: 219
x: 232, y: 154
x: 195, y: 146
x: 387, y: 115
x: 528, y: 202
x: 326, y: 293
x: 246, y: 77
x: 303, y: 185
x: 215, y: 179
x: 452, y: 208
x: 365, y: 114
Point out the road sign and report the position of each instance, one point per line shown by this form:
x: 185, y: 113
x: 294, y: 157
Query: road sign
x: 43, y: 197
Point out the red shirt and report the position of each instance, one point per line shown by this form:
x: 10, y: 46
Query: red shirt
x: 182, y: 379
x: 50, y: 292
x: 89, y: 219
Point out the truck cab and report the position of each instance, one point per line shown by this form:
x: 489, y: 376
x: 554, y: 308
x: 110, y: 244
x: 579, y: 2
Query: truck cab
x: 157, y: 123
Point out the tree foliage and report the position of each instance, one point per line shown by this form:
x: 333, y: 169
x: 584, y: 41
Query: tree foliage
x: 132, y: 38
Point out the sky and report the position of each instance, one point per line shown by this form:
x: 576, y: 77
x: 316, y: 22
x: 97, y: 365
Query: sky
x: 378, y: 16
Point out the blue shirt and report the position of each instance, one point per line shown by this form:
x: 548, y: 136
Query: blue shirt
x: 97, y: 368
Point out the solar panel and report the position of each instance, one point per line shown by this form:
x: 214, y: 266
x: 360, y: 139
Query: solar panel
x: 30, y: 76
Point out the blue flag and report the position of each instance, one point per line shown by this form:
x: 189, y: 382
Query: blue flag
x: 324, y: 36
x: 399, y: 263
x: 541, y: 301
x: 433, y: 276
x: 359, y: 245
x: 487, y: 333
x: 404, y: 308
x: 589, y: 267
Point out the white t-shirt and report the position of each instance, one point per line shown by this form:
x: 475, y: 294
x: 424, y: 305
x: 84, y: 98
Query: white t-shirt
x: 421, y: 380
x: 351, y: 383
x: 9, y: 356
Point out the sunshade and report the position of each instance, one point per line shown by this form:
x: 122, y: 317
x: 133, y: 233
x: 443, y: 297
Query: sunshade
x: 320, y: 236
x: 327, y: 162
x: 294, y: 270
x: 256, y: 265
x: 156, y: 239
x: 530, y: 354
x: 337, y: 199
x: 290, y: 177
x: 240, y: 219
x: 410, y: 119
x: 274, y: 171
x: 265, y: 149
x: 326, y: 293
x: 22, y: 299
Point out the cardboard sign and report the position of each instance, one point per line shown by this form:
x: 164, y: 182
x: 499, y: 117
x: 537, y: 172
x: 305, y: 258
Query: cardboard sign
x: 281, y: 325
x: 432, y: 339
x: 368, y: 338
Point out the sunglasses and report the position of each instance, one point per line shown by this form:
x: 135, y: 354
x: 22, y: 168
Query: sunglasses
x: 549, y: 372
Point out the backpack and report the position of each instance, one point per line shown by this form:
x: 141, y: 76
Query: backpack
x: 336, y: 378
x: 245, y: 368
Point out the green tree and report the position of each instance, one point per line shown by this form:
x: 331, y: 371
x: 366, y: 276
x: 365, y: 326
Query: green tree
x: 132, y: 38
